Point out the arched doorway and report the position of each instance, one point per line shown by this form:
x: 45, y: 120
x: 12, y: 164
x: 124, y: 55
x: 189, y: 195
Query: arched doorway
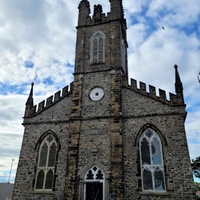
x: 94, y: 184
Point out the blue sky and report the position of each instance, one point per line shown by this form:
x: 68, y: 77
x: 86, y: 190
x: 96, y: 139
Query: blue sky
x: 37, y: 44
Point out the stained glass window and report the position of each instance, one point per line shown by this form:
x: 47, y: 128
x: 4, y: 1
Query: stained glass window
x: 151, y: 160
x: 46, y: 164
x: 52, y: 155
x: 40, y: 180
x: 49, y: 179
x: 43, y: 155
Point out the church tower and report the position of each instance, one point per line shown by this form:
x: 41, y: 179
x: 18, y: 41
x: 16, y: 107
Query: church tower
x: 96, y: 119
x: 103, y: 138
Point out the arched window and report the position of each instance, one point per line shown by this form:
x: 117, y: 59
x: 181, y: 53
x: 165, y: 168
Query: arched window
x: 151, y: 161
x: 94, y: 184
x: 46, y: 163
x: 97, y: 48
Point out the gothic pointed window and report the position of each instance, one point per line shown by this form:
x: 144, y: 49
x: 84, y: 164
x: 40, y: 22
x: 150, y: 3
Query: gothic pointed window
x: 151, y: 161
x: 97, y: 49
x: 46, y: 164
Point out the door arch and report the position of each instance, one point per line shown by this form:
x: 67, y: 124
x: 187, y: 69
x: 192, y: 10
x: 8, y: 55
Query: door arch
x: 94, y: 187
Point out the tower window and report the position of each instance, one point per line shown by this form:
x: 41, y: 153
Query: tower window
x: 46, y: 164
x: 97, y: 48
x: 151, y: 161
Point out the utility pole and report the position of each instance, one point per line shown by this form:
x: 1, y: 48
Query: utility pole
x: 10, y: 170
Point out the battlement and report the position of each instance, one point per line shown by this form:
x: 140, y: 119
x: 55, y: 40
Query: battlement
x: 173, y: 98
x: 98, y: 16
x: 101, y: 18
x: 52, y: 99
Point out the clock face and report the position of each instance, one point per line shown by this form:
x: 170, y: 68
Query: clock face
x: 96, y: 94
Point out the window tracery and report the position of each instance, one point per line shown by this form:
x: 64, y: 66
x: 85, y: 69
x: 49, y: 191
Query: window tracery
x: 97, y: 49
x: 94, y: 174
x: 151, y: 161
x: 94, y: 184
x: 46, y: 163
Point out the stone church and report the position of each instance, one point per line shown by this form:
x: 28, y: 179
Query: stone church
x: 104, y: 137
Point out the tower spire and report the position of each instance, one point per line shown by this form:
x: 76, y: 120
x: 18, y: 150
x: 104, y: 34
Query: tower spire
x: 30, y: 98
x: 29, y: 103
x: 178, y: 85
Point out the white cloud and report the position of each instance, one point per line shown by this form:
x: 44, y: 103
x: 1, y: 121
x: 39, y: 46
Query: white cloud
x: 40, y: 32
x: 176, y: 12
x: 11, y: 109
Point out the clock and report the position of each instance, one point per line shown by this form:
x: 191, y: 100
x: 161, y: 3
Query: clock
x: 96, y: 94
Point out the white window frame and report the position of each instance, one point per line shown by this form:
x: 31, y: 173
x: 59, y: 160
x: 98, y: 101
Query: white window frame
x: 94, y: 180
x: 152, y: 167
x: 46, y: 168
x: 97, y: 35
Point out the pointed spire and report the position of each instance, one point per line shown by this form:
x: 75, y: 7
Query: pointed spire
x: 30, y: 98
x: 29, y: 103
x: 178, y: 84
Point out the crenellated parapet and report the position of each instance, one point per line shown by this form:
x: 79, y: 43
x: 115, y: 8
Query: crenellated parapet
x: 85, y: 19
x: 50, y: 101
x: 150, y: 91
x: 98, y: 17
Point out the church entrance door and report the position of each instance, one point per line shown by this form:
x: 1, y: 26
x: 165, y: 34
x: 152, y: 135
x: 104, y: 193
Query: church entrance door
x: 94, y: 184
x: 94, y: 191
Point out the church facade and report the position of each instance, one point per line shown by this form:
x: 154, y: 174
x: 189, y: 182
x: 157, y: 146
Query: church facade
x: 102, y: 138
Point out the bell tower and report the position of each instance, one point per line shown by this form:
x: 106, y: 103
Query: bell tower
x: 101, y: 39
x: 96, y: 140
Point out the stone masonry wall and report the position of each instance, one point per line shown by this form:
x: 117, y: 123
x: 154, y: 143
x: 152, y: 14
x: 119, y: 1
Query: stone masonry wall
x: 113, y: 35
x: 100, y: 108
x: 140, y: 111
x: 53, y: 119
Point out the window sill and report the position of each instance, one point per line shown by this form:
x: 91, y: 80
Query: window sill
x: 97, y: 63
x: 42, y: 191
x: 151, y: 193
